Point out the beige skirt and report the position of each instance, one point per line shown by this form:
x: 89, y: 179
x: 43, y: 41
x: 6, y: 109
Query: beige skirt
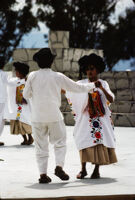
x: 99, y: 155
x: 17, y: 127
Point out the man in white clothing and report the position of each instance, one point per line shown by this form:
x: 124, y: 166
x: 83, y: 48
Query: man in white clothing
x: 44, y: 88
x: 3, y: 95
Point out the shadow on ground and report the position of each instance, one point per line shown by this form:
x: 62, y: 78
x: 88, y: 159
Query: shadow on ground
x: 77, y: 183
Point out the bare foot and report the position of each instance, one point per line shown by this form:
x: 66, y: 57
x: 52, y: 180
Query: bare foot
x: 81, y: 175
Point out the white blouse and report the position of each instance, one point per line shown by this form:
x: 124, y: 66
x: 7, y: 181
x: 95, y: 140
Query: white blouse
x: 13, y: 110
x: 88, y: 131
x: 3, y: 84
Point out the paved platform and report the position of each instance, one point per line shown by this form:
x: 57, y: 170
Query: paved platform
x: 19, y: 174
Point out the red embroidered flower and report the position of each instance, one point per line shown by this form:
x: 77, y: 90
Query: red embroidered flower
x: 98, y: 135
x: 19, y: 108
x: 94, y: 141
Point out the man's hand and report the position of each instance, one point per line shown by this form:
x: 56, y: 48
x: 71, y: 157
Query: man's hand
x: 63, y: 91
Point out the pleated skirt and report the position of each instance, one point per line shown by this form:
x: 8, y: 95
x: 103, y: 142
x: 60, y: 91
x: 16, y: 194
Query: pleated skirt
x: 17, y: 127
x: 99, y: 155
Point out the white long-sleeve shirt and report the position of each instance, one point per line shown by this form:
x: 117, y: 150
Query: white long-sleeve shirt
x: 44, y: 88
x: 3, y: 84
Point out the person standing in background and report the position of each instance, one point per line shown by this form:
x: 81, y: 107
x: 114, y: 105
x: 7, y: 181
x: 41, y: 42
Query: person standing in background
x: 3, y: 95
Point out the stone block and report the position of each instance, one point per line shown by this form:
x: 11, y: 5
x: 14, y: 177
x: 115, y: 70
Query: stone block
x: 124, y: 107
x: 31, y: 52
x: 65, y: 56
x: 87, y: 52
x: 133, y: 83
x: 33, y: 66
x: 57, y: 45
x: 121, y: 120
x: 20, y: 55
x: 53, y: 67
x: 59, y: 39
x: 120, y: 75
x: 106, y: 75
x: 77, y: 54
x: 60, y: 35
x: 75, y: 67
x: 124, y: 95
x: 74, y: 75
x: 65, y: 107
x: 122, y: 83
x: 101, y: 53
x: 68, y: 119
x: 132, y: 107
x: 65, y: 42
x: 131, y: 74
x: 59, y: 53
x: 113, y: 107
x: 111, y: 83
x: 53, y: 36
x: 71, y: 54
x: 131, y: 118
x: 58, y: 65
x: 66, y: 65
x: 133, y: 93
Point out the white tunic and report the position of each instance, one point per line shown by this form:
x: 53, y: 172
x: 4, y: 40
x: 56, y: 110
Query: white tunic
x: 44, y: 87
x: 13, y: 110
x: 90, y: 132
x: 3, y: 84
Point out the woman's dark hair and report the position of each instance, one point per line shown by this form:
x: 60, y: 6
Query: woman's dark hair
x: 21, y: 68
x: 83, y: 64
x: 92, y: 59
x: 97, y: 62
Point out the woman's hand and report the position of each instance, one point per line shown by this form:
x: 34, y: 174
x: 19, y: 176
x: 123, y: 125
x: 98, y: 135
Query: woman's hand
x: 108, y: 96
x: 98, y: 85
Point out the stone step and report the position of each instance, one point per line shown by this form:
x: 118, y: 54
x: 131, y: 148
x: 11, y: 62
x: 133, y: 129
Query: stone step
x: 123, y: 107
x: 124, y: 119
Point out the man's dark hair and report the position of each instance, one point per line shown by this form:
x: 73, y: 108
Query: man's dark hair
x: 44, y: 58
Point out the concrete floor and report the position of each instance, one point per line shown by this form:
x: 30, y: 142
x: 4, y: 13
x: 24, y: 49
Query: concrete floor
x: 19, y: 174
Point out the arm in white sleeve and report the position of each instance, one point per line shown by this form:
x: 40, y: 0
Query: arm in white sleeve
x: 109, y: 90
x: 27, y: 92
x: 72, y: 86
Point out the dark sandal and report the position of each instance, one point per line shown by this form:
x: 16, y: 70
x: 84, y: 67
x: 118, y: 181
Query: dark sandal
x: 61, y: 174
x: 95, y: 176
x: 81, y: 175
x: 1, y: 143
x: 30, y: 141
x: 24, y: 143
x: 44, y: 179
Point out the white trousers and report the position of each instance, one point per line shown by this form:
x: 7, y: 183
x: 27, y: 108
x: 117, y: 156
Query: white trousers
x: 2, y: 121
x: 55, y: 132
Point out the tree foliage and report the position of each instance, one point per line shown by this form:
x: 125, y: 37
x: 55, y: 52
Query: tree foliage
x: 118, y: 41
x: 89, y: 24
x: 85, y: 19
x: 13, y: 25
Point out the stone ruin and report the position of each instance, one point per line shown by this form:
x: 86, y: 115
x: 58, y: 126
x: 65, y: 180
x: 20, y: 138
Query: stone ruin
x: 121, y: 83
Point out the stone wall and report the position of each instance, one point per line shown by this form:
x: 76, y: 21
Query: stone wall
x: 121, y: 83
